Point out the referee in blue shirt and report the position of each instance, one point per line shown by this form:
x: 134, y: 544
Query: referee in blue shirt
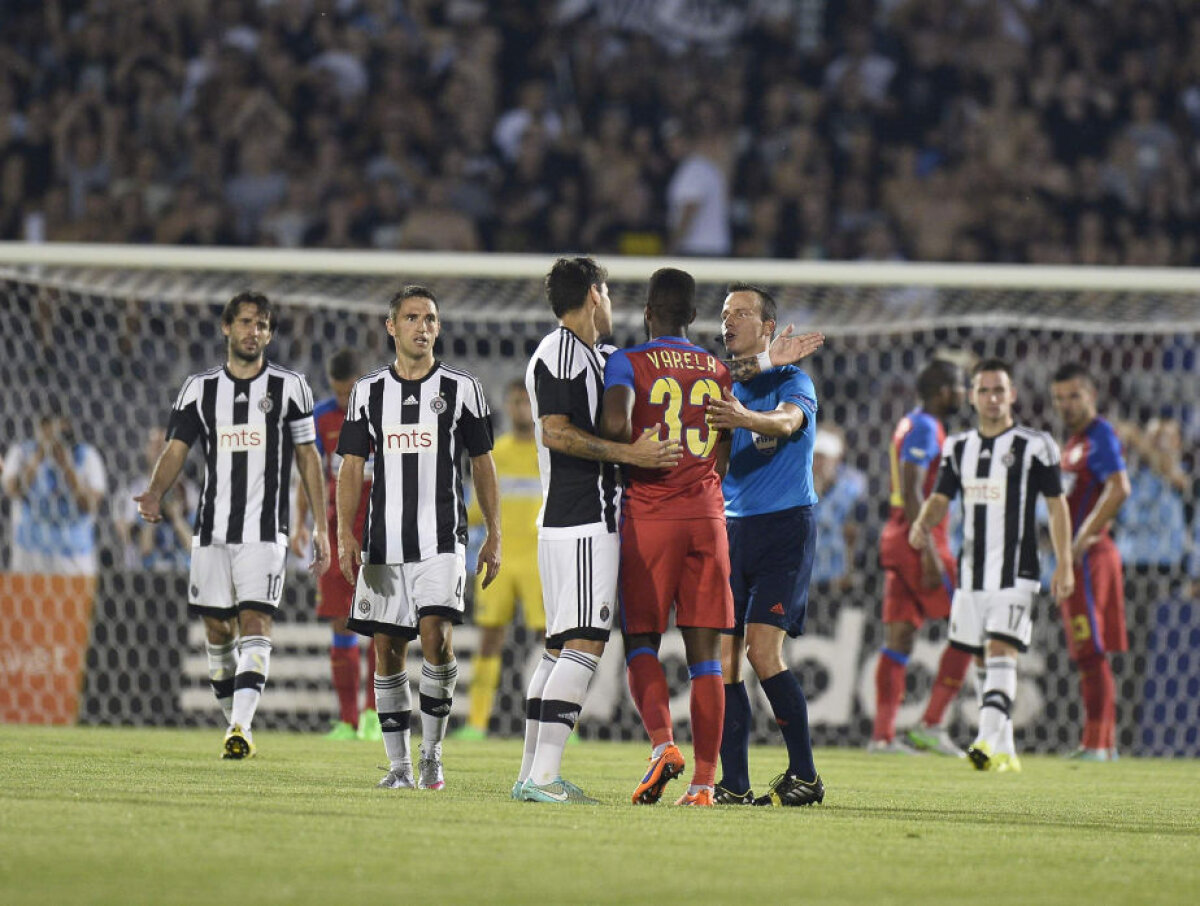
x: 769, y: 499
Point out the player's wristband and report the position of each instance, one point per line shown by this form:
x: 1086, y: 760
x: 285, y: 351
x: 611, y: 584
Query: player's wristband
x: 764, y: 360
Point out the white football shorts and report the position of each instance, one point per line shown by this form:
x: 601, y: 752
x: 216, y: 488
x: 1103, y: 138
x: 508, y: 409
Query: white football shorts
x: 579, y: 586
x: 225, y: 576
x: 392, y: 598
x: 976, y: 616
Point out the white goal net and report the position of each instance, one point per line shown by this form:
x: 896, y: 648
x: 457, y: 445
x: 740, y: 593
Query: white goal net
x: 111, y: 332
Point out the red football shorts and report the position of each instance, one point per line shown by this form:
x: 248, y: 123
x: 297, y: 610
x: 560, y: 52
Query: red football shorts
x: 904, y: 598
x: 335, y: 595
x: 1094, y: 616
x: 680, y: 562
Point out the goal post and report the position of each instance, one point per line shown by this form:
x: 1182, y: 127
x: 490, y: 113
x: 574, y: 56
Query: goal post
x: 113, y: 330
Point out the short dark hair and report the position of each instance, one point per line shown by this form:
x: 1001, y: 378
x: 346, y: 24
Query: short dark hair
x: 672, y: 296
x: 250, y: 297
x: 769, y: 310
x: 343, y: 365
x: 412, y: 291
x: 1070, y: 371
x: 937, y: 374
x: 569, y: 281
x: 992, y: 364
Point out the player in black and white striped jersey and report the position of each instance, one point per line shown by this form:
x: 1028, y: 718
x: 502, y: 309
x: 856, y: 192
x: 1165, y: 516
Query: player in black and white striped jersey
x: 417, y: 416
x: 577, y: 526
x: 998, y: 469
x: 252, y: 418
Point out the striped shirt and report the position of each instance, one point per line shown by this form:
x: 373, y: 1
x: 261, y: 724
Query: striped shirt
x: 417, y: 431
x: 579, y: 496
x: 248, y: 429
x: 999, y: 479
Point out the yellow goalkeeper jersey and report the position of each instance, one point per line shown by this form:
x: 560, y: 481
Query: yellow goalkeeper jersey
x: 520, y: 495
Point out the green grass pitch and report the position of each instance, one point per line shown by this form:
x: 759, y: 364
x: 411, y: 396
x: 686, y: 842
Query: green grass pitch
x: 131, y: 816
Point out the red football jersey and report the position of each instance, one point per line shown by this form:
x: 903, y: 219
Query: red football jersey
x: 328, y: 418
x: 672, y: 379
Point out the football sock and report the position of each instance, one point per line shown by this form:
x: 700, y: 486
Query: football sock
x: 562, y: 700
x: 1099, y: 700
x: 980, y: 685
x: 952, y: 670
x: 370, y: 702
x: 395, y: 711
x: 344, y: 664
x: 485, y: 678
x: 533, y: 711
x: 648, y: 687
x: 222, y: 665
x: 889, y: 692
x: 253, y: 666
x: 999, y: 692
x: 791, y: 713
x: 437, y: 697
x: 708, y: 710
x: 735, y: 739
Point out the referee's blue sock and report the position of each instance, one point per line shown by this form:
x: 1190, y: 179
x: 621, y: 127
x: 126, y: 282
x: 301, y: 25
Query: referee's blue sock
x: 791, y: 713
x: 735, y: 739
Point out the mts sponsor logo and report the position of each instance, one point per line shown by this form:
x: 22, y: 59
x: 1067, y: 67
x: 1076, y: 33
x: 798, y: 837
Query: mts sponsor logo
x: 983, y: 490
x: 240, y: 438
x: 409, y: 439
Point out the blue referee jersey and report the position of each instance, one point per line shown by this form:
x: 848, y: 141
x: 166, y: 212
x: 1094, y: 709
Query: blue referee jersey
x: 769, y: 474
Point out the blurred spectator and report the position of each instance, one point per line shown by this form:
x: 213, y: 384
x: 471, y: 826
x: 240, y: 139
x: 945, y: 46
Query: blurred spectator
x: 1002, y: 131
x: 56, y: 483
x: 1152, y: 528
x: 698, y: 194
x: 840, y: 511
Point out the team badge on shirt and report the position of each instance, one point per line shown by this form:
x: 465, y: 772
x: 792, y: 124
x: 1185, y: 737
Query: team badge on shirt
x: 266, y: 404
x: 764, y: 445
x: 438, y: 405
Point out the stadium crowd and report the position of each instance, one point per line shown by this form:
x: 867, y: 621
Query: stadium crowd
x: 1036, y: 131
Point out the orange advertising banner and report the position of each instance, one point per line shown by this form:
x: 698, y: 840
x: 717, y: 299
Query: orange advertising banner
x: 45, y: 623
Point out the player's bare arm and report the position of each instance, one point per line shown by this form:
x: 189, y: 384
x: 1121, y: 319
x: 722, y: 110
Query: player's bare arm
x: 1115, y: 492
x: 300, y: 535
x: 646, y: 451
x: 312, y: 479
x: 487, y: 491
x: 166, y: 470
x: 349, y: 493
x: 933, y: 511
x: 616, y: 417
x: 785, y: 349
x: 1062, y: 583
x: 912, y: 478
x: 728, y: 413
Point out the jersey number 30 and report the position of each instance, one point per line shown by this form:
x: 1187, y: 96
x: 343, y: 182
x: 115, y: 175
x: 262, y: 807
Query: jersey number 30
x: 667, y: 392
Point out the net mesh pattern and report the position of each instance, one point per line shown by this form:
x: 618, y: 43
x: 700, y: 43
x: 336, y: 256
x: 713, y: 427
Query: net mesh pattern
x: 114, y: 345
